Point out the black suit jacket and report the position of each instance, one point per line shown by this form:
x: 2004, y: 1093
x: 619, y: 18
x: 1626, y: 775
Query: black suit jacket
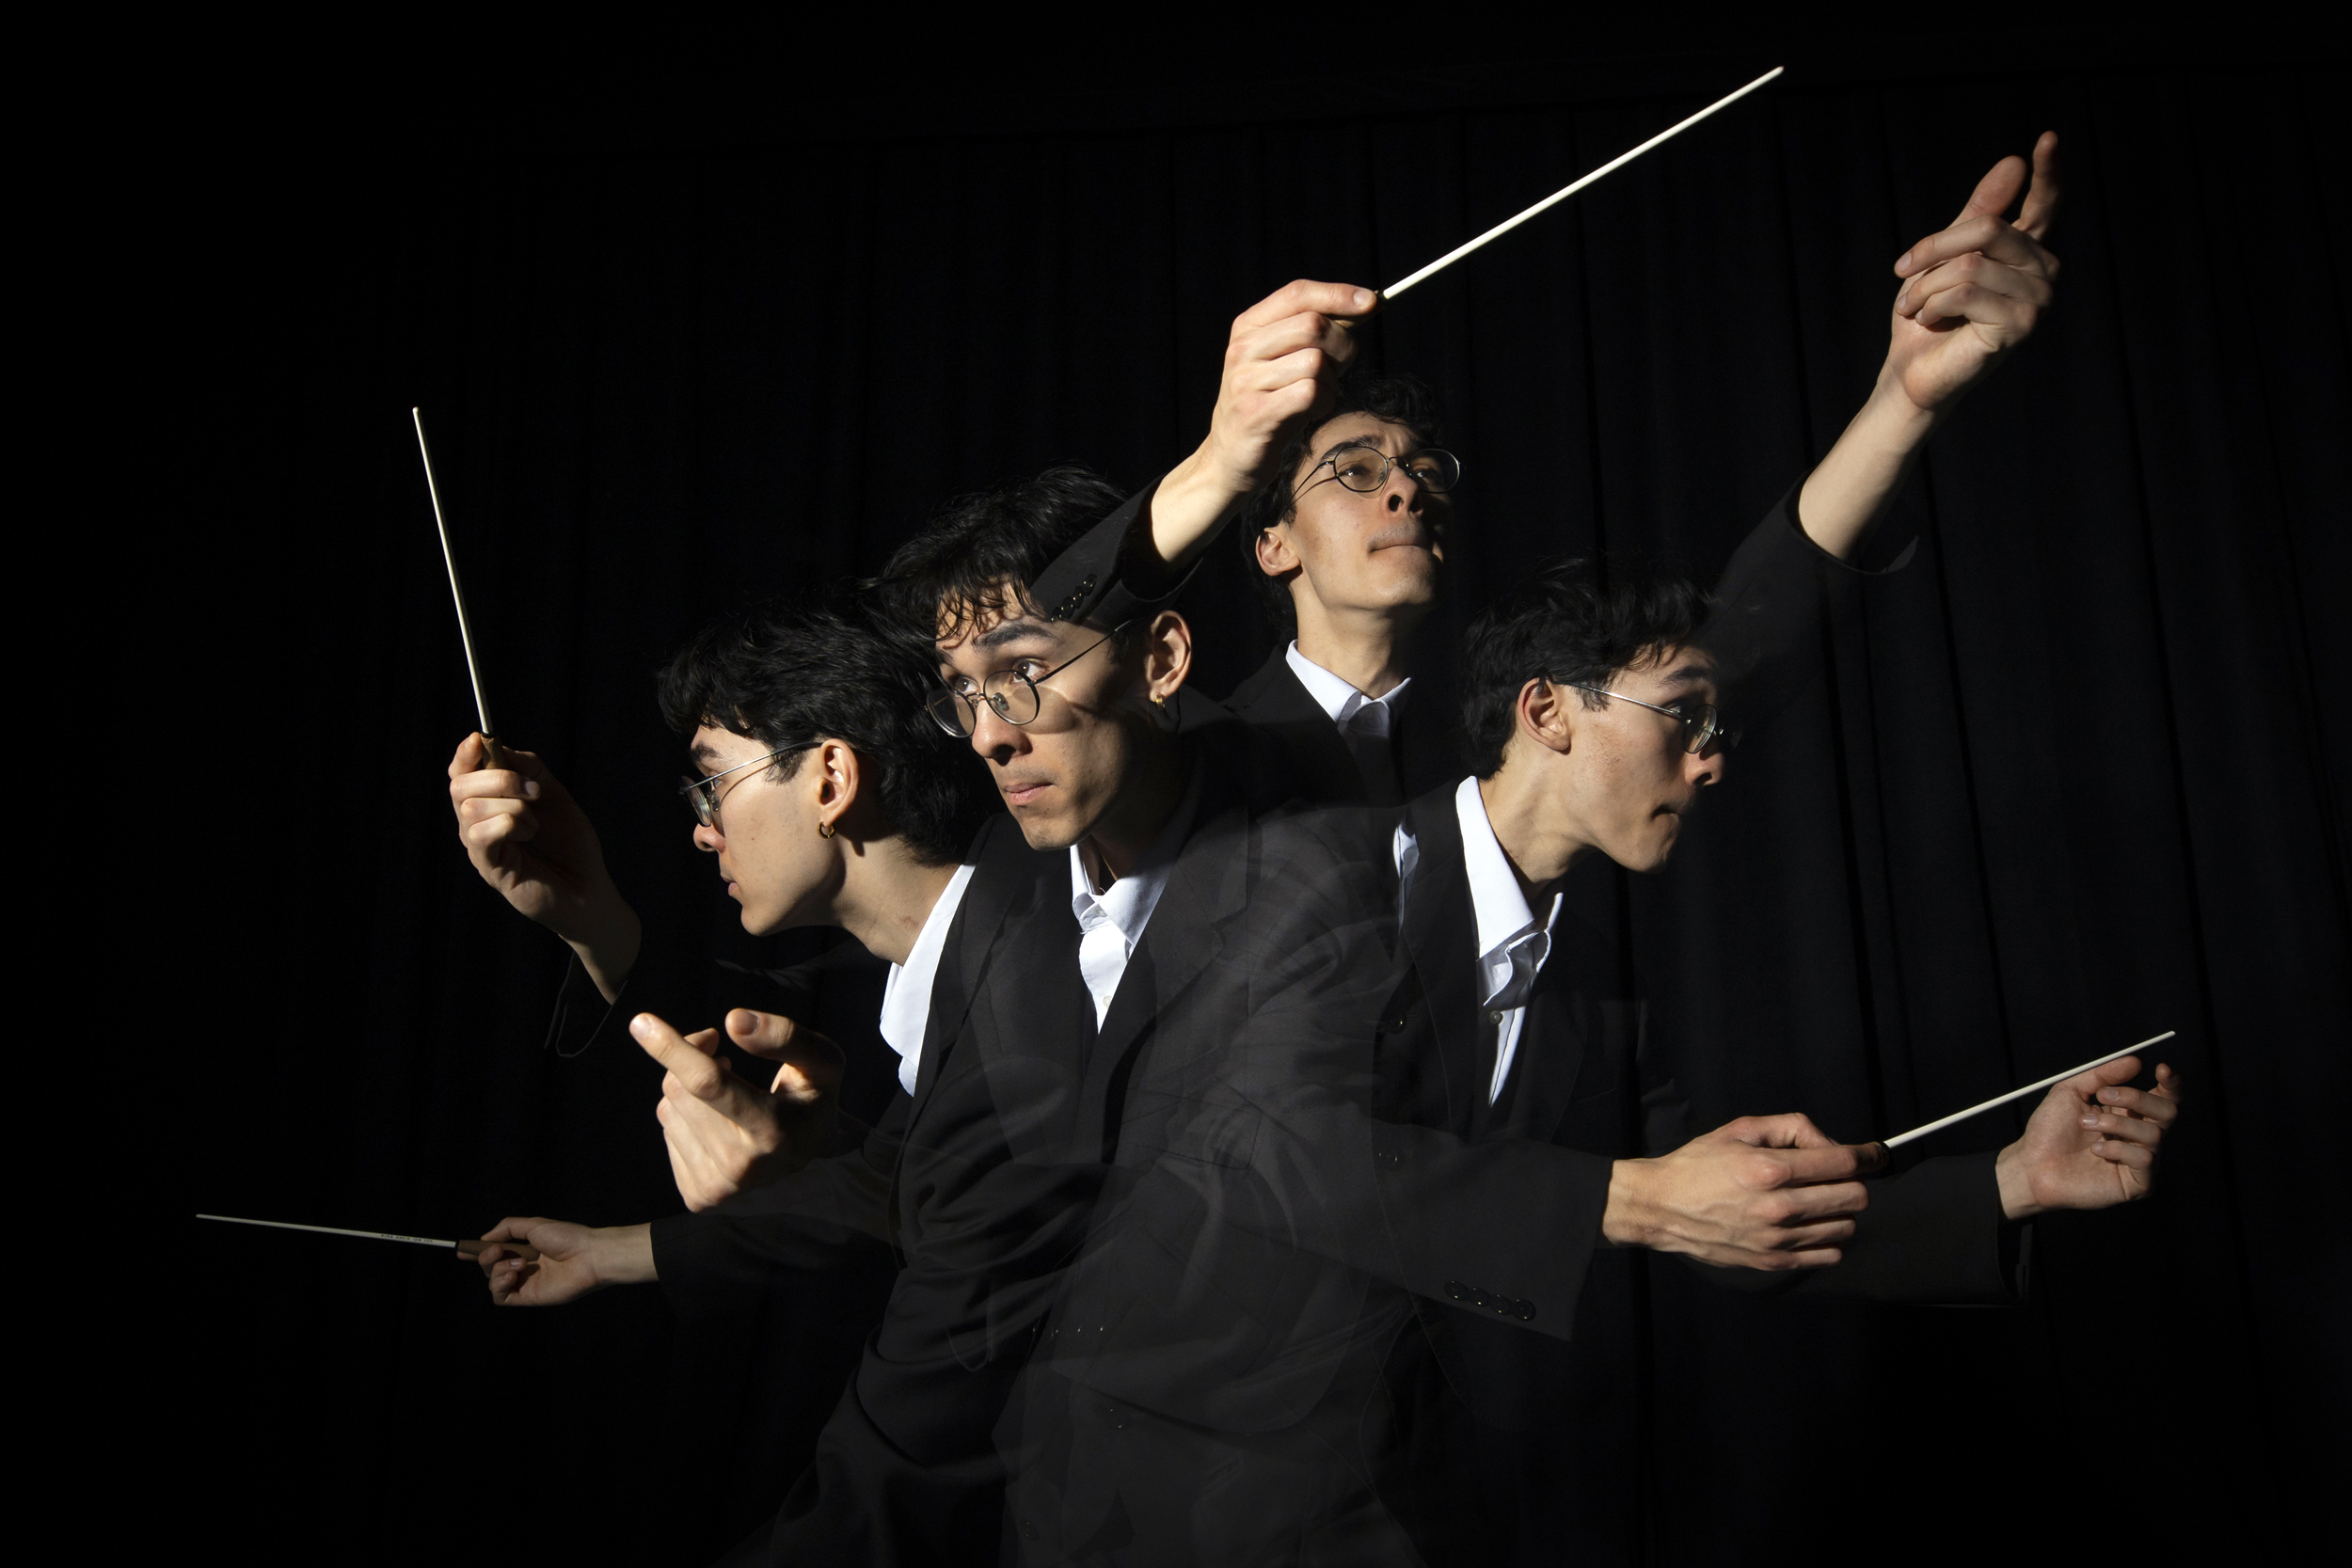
x: 967, y: 1179
x: 982, y: 1180
x: 1308, y: 1163
x: 1423, y: 745
x: 1516, y: 1446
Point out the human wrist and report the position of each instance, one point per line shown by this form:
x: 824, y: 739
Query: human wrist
x: 622, y: 1255
x: 1190, y: 500
x: 2016, y: 1184
x: 1891, y: 421
x: 1624, y: 1221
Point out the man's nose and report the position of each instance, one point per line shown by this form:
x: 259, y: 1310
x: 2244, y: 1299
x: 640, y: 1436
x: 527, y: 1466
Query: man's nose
x: 993, y: 735
x: 708, y: 839
x: 1711, y: 765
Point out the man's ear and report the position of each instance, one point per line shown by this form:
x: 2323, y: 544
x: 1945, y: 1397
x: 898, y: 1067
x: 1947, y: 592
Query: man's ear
x: 1543, y: 715
x: 1166, y: 656
x: 1275, y: 557
x: 835, y: 777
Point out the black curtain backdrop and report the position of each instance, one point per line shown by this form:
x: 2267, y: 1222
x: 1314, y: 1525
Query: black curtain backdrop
x: 2070, y: 779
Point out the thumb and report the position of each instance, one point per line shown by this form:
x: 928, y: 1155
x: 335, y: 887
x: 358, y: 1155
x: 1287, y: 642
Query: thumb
x: 1997, y: 190
x: 780, y: 1039
x: 1792, y: 1130
x: 2086, y: 1086
x: 2042, y: 198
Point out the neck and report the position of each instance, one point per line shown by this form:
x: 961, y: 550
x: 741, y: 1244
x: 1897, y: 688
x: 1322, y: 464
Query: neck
x: 887, y: 895
x: 1525, y: 817
x: 1363, y: 647
x: 1124, y: 833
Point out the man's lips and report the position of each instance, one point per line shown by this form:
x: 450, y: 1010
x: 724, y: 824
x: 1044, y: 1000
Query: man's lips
x: 1020, y: 792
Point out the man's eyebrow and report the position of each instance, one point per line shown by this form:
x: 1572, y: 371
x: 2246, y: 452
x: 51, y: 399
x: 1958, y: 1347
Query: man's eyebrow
x: 704, y: 753
x: 1010, y: 631
x: 1368, y: 442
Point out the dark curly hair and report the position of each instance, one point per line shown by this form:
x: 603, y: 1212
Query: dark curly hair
x: 1406, y: 400
x: 977, y: 555
x: 784, y: 675
x: 1575, y: 623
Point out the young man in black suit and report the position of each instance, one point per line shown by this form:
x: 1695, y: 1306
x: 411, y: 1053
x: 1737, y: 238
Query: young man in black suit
x: 1050, y: 974
x: 1340, y: 492
x: 827, y: 798
x: 1410, y: 1128
x: 1593, y: 731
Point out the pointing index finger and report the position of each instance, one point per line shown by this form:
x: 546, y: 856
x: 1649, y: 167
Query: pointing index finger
x: 2041, y: 201
x: 693, y: 1069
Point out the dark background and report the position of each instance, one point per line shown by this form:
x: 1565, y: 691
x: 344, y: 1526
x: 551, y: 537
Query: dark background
x: 709, y: 322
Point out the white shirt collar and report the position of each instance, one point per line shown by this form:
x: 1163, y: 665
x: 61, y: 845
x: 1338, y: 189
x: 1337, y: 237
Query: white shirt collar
x: 906, y: 1009
x: 1341, y: 700
x: 1504, y: 921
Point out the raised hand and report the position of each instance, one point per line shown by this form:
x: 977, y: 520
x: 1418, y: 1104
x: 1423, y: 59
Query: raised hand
x: 724, y: 1134
x: 2091, y: 1143
x: 528, y: 839
x: 1971, y: 293
x: 1760, y: 1192
x: 572, y: 1261
x: 1282, y: 363
x: 1975, y: 291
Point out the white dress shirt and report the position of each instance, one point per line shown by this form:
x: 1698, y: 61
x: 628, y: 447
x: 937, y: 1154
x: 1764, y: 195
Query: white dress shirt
x: 1364, y: 722
x: 1111, y: 922
x: 906, y: 1009
x: 1512, y: 943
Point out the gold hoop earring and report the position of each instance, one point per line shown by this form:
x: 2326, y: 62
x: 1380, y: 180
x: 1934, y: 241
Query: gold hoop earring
x: 825, y: 829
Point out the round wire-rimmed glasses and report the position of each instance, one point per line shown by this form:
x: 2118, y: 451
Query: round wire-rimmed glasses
x: 703, y: 795
x: 1700, y: 730
x: 1012, y: 693
x: 1364, y: 469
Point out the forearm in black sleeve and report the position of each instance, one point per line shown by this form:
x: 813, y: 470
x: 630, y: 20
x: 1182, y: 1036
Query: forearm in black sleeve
x: 1933, y: 1235
x: 666, y: 981
x: 1111, y: 575
x: 1768, y: 605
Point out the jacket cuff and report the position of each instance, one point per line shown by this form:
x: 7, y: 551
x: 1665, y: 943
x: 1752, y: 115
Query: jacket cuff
x: 1096, y: 581
x: 582, y: 1014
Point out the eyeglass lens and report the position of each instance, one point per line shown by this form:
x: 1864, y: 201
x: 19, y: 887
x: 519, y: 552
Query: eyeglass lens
x: 1364, y: 470
x: 1013, y: 696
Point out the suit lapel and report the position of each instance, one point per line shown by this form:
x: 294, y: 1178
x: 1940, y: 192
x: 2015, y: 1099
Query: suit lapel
x: 1002, y: 893
x: 1208, y: 886
x: 1440, y: 935
x: 1550, y: 1055
x: 1274, y: 701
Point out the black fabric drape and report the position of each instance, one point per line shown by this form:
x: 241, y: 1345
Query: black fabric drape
x: 2067, y: 780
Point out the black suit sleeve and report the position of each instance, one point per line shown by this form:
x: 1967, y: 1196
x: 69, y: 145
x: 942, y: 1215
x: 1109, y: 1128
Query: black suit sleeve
x: 666, y: 982
x: 1110, y: 576
x: 1768, y: 605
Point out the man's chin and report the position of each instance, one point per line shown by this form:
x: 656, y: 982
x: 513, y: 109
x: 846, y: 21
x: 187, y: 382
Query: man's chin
x: 1045, y: 831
